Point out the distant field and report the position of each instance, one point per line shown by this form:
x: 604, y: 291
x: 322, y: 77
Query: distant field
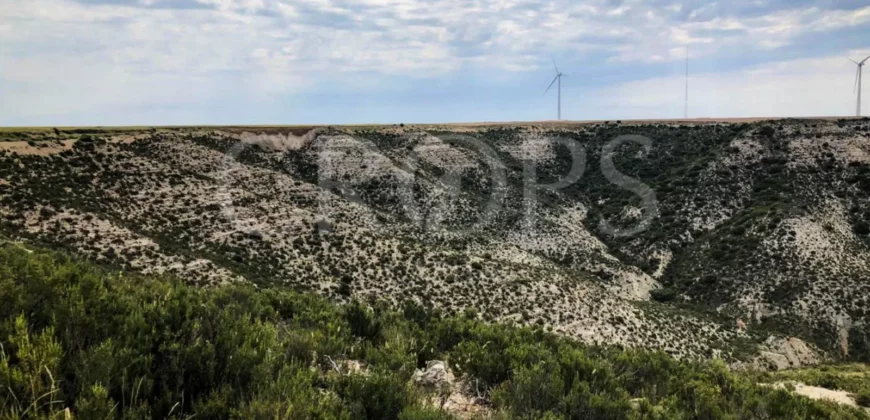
x: 66, y: 133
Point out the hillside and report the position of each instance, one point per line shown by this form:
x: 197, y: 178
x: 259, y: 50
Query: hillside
x: 79, y: 341
x: 767, y: 221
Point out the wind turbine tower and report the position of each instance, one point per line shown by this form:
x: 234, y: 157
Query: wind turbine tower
x: 858, y: 78
x: 557, y: 79
x: 686, y: 103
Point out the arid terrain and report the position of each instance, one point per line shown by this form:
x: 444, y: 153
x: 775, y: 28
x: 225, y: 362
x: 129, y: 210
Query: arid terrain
x: 762, y: 220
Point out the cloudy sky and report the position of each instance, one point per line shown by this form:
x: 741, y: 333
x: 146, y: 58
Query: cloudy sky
x: 125, y: 62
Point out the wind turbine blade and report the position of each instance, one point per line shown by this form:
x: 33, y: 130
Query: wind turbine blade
x: 854, y: 61
x: 555, y: 66
x: 551, y: 85
x: 864, y: 60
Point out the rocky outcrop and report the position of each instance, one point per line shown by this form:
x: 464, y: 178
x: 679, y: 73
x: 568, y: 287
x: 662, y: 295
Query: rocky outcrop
x: 779, y: 353
x: 436, y: 376
x: 451, y: 395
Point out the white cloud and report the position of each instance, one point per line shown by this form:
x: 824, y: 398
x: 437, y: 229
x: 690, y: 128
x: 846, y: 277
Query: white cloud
x: 798, y: 88
x: 65, y: 56
x: 319, y: 31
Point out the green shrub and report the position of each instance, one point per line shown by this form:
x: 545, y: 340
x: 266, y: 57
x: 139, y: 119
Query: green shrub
x: 423, y: 413
x: 863, y: 399
x: 665, y: 294
x: 81, y: 341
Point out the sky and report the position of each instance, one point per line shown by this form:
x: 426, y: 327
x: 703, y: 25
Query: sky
x: 191, y: 62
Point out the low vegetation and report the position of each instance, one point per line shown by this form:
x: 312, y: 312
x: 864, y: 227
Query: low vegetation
x: 852, y: 378
x: 87, y: 342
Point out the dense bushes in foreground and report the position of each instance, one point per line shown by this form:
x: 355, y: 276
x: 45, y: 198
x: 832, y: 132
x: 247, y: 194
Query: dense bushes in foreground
x: 78, y: 341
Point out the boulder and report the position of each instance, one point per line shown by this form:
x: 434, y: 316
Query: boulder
x: 772, y: 361
x: 780, y: 353
x: 436, y: 375
x: 796, y: 351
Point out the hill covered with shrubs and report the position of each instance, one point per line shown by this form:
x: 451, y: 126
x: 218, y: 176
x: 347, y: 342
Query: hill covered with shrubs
x: 764, y: 221
x: 81, y: 341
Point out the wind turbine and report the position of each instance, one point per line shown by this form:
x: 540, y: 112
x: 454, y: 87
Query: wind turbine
x: 858, y: 81
x: 558, y: 78
x: 686, y: 103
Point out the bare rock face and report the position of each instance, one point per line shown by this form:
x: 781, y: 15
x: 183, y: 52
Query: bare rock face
x: 784, y: 353
x: 770, y: 361
x: 796, y: 351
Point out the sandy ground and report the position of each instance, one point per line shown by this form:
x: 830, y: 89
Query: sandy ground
x: 818, y: 393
